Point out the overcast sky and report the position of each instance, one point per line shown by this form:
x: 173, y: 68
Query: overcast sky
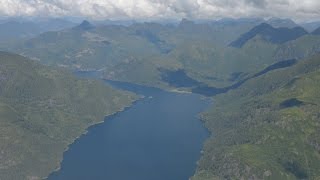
x: 163, y: 9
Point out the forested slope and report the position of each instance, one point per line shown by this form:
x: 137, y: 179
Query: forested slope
x: 42, y: 111
x: 266, y: 129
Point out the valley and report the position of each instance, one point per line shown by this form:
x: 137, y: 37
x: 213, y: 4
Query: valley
x: 262, y: 76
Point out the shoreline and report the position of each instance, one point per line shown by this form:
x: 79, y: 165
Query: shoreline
x: 87, y: 130
x: 199, y: 117
x: 179, y: 91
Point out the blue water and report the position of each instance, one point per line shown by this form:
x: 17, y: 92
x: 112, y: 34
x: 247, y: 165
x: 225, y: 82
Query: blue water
x: 159, y: 138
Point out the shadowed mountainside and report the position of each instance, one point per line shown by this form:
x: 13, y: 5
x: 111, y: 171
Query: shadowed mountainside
x: 271, y: 34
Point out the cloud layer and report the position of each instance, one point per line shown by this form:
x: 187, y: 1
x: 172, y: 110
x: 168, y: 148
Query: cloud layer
x: 163, y: 9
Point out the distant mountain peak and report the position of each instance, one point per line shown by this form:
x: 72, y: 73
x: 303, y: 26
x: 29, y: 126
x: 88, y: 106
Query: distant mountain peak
x: 85, y: 25
x: 271, y: 34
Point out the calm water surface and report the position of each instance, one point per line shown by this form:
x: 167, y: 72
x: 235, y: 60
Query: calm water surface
x: 159, y: 138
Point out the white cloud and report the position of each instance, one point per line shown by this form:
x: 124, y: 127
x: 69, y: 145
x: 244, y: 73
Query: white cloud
x: 153, y: 9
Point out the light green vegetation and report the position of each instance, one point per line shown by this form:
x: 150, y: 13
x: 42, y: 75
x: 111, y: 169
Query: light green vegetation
x: 42, y: 111
x: 255, y: 136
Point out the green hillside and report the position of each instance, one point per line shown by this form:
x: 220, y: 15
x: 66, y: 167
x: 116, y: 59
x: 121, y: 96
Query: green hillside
x: 42, y: 111
x: 266, y: 129
x: 199, y: 49
x: 265, y: 126
x: 136, y: 53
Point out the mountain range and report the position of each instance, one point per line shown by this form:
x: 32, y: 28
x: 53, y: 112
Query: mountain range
x: 200, y: 49
x: 262, y: 75
x: 15, y: 29
x: 270, y: 34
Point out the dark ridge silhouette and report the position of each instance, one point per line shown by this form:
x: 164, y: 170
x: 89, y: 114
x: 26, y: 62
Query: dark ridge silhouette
x: 85, y: 25
x: 212, y: 91
x: 278, y: 65
x: 271, y: 34
x: 179, y: 79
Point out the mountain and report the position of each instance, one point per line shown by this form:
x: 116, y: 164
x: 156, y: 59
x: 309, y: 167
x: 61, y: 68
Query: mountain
x: 271, y: 34
x: 55, y: 24
x: 198, y: 48
x: 268, y: 128
x: 265, y: 118
x: 87, y: 48
x: 316, y: 31
x: 238, y: 21
x: 85, y: 25
x: 42, y: 111
x: 16, y: 29
x: 278, y: 23
x: 114, y: 22
x: 144, y: 52
x: 311, y: 26
x: 300, y: 48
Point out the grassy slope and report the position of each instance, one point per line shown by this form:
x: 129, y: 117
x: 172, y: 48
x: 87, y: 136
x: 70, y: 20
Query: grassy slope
x: 42, y: 111
x: 254, y: 137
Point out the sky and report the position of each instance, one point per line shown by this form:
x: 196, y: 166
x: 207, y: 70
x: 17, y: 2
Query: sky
x: 299, y: 10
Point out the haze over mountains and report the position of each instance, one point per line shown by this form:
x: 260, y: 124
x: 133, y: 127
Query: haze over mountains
x: 13, y: 29
x: 115, y: 49
x: 262, y: 74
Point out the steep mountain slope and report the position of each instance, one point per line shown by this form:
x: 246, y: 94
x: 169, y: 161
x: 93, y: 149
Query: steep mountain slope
x: 271, y: 34
x: 311, y: 26
x: 44, y: 110
x: 268, y: 128
x: 316, y: 31
x: 300, y: 48
x: 85, y: 25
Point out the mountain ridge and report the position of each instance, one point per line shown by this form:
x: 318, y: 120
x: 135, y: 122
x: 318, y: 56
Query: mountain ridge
x: 85, y: 26
x: 316, y: 31
x: 269, y: 33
